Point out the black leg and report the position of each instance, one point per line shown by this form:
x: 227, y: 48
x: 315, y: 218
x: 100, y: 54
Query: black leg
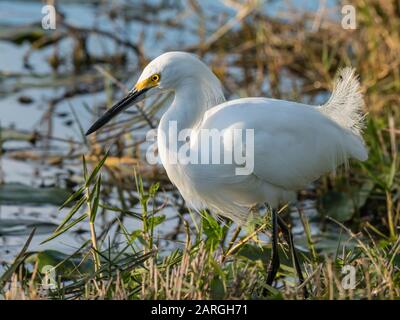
x: 274, y: 262
x: 289, y: 238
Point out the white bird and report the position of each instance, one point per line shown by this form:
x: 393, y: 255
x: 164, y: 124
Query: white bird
x: 294, y: 143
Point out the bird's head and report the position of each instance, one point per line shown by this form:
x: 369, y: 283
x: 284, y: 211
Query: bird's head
x: 165, y: 73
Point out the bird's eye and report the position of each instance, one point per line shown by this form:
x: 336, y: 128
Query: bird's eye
x: 155, y: 77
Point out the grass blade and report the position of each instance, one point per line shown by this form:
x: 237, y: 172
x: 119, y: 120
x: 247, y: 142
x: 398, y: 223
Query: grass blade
x: 77, y: 206
x: 72, y: 197
x: 18, y: 260
x: 96, y: 200
x: 96, y: 170
x: 69, y: 226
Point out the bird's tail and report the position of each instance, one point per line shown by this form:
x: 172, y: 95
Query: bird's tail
x: 345, y: 107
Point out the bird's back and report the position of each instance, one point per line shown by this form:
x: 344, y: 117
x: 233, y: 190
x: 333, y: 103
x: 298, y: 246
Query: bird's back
x: 294, y: 143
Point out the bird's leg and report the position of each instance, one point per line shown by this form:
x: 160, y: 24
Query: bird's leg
x: 274, y: 262
x: 289, y: 238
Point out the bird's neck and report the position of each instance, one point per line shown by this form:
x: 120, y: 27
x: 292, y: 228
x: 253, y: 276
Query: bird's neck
x: 192, y: 99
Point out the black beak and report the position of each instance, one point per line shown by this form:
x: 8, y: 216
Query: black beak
x: 132, y: 97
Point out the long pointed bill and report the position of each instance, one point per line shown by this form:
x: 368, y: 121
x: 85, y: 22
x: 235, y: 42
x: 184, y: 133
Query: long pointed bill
x: 133, y: 96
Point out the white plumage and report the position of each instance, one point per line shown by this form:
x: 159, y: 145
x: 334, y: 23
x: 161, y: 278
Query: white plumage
x: 294, y: 143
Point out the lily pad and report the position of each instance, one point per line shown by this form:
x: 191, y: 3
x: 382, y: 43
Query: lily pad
x: 65, y: 265
x: 328, y: 242
x: 256, y: 253
x: 341, y: 205
x: 19, y: 227
x: 17, y: 194
x: 338, y: 205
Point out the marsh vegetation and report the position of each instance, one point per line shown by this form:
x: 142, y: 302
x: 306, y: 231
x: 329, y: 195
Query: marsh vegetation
x: 113, y: 226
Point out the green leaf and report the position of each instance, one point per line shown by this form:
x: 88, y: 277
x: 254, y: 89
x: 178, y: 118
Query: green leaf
x: 217, y: 288
x: 391, y: 175
x: 96, y: 200
x: 138, y: 234
x: 212, y: 230
x: 96, y: 170
x: 153, y: 189
x: 67, y: 227
x: 135, y: 234
x: 85, y: 170
x: 77, y: 206
x: 155, y: 221
x: 72, y: 197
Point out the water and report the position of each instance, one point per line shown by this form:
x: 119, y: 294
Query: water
x: 29, y: 117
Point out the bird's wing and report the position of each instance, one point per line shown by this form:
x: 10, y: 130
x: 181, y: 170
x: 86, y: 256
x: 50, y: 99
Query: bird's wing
x: 294, y: 144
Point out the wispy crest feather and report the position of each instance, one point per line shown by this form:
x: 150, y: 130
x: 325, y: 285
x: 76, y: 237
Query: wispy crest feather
x: 346, y: 104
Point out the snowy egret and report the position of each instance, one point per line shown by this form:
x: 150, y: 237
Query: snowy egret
x: 294, y: 143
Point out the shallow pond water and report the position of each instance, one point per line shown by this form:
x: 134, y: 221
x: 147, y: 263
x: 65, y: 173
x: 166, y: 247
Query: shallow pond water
x: 18, y: 216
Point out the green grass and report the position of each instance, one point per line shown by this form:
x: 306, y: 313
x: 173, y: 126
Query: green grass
x: 214, y: 260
